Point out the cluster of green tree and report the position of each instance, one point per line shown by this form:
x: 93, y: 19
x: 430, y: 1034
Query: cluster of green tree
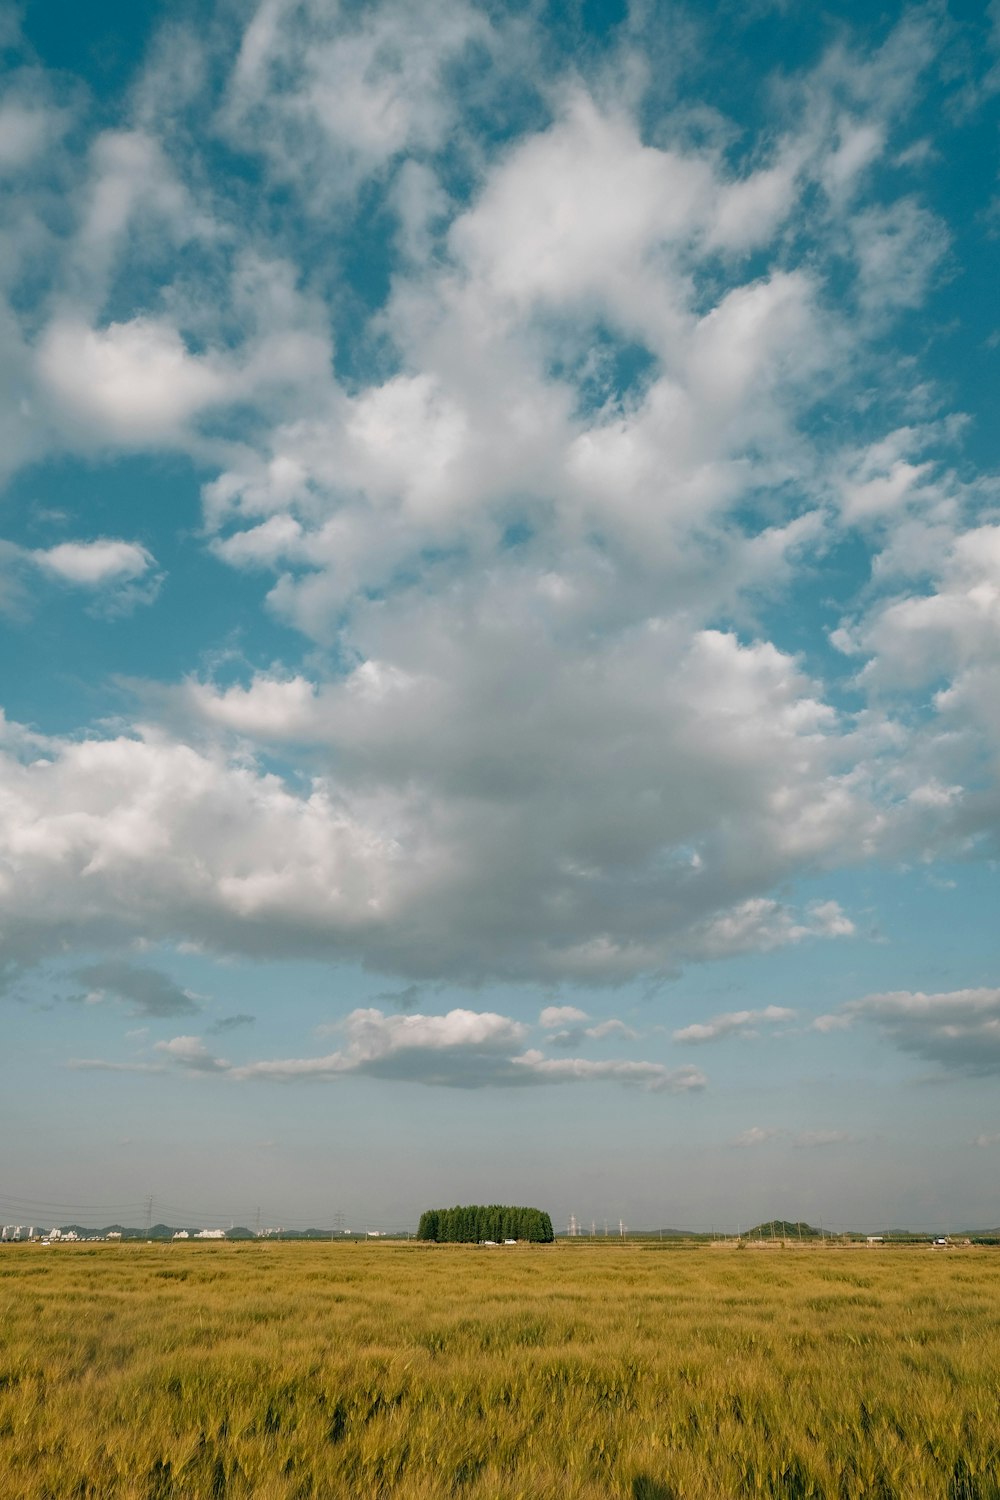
x: 476, y: 1222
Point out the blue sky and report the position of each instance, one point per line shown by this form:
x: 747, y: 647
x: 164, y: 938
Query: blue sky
x: 500, y: 611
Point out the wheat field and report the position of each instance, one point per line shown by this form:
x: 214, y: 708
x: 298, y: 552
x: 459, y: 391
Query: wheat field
x: 284, y: 1371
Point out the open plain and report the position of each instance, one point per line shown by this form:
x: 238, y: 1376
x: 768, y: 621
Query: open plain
x: 576, y: 1370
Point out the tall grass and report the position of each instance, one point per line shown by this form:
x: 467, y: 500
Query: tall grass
x: 280, y: 1371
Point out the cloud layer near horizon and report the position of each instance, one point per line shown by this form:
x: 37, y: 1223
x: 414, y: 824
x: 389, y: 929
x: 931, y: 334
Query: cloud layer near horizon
x: 460, y: 1049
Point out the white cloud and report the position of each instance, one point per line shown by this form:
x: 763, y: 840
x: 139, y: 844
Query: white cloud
x: 882, y: 479
x: 578, y: 434
x: 756, y: 1135
x: 95, y: 564
x: 831, y: 1022
x: 828, y: 919
x: 478, y: 797
x: 734, y: 1022
x: 191, y: 1053
x: 957, y: 1029
x: 566, y: 1029
x: 27, y: 130
x: 492, y: 754
x: 898, y: 250
x: 327, y: 97
x: 136, y: 381
x: 129, y: 191
x: 921, y: 636
x: 552, y: 1016
x: 612, y: 1027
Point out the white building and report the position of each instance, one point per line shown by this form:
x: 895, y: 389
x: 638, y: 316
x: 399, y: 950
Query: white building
x: 210, y: 1234
x: 182, y: 1234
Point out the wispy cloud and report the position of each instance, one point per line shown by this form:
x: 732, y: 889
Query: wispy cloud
x: 231, y: 1023
x: 150, y: 992
x: 190, y: 1052
x: 101, y: 1065
x: 565, y: 1025
x: 817, y: 1139
x: 734, y: 1023
x: 759, y: 1135
x: 755, y: 1135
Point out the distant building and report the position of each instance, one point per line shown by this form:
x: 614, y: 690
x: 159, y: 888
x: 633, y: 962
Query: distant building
x: 210, y: 1234
x: 182, y: 1234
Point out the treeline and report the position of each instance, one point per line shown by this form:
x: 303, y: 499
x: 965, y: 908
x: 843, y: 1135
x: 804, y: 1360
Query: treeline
x: 475, y: 1222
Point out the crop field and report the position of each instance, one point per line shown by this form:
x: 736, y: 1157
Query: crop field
x: 574, y: 1370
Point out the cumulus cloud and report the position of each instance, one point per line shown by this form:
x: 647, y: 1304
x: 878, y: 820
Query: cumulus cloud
x: 327, y: 97
x: 957, y: 1029
x: 921, y: 636
x: 734, y: 1023
x: 135, y: 383
x: 114, y: 575
x: 437, y: 859
x: 94, y: 564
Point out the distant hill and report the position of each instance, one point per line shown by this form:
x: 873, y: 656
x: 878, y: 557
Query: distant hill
x: 783, y: 1229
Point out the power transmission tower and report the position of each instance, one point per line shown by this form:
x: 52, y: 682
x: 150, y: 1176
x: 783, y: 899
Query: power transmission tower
x: 149, y: 1213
